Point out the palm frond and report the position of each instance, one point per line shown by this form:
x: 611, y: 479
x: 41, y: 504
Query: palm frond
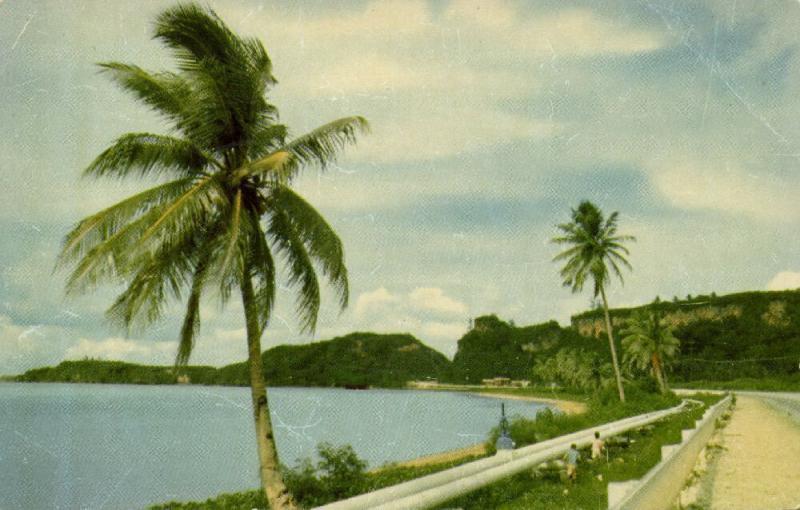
x: 165, y: 93
x: 230, y: 75
x: 323, y: 145
x: 273, y: 166
x: 263, y: 272
x: 230, y: 247
x: 324, y: 246
x: 148, y: 154
x: 117, y: 254
x: 100, y: 226
x: 301, y: 270
x: 191, y: 320
x: 157, y: 278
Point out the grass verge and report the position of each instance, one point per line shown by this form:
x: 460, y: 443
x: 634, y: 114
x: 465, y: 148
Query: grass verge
x: 545, y: 487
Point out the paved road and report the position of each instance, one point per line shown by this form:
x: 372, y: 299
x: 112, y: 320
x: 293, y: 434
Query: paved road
x: 759, y: 467
x: 785, y: 403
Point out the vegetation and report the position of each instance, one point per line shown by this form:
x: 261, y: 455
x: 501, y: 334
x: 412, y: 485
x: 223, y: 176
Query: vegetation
x: 495, y: 348
x: 602, y: 407
x: 768, y: 383
x: 114, y: 372
x: 354, y: 360
x: 746, y: 340
x: 358, y: 359
x: 224, y: 205
x: 339, y: 473
x: 594, y: 246
x: 546, y: 487
x: 577, y: 369
x: 649, y: 345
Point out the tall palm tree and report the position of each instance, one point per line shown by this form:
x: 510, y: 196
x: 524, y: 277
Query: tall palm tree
x: 594, y: 246
x: 649, y: 344
x: 223, y: 206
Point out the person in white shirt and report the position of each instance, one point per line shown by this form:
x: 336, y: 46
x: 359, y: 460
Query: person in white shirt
x: 598, y: 445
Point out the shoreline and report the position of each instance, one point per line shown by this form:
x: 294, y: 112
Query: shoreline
x: 476, y: 450
x: 565, y: 406
x: 479, y: 449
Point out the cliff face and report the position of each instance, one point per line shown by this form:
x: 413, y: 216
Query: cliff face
x: 596, y: 326
x: 774, y: 309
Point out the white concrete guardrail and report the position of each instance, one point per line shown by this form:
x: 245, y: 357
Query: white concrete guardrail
x: 443, y: 486
x: 660, y: 487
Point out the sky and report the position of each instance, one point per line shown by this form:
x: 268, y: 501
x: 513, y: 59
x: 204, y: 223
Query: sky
x: 490, y: 121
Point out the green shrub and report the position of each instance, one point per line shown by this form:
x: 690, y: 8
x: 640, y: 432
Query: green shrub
x: 338, y: 474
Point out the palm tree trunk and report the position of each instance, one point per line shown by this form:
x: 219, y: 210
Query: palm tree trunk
x: 277, y: 495
x: 611, y: 346
x: 656, y: 361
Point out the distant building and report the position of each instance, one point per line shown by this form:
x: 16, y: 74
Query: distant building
x: 497, y: 381
x: 506, y: 381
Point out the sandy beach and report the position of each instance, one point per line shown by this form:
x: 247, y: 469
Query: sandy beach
x: 565, y: 406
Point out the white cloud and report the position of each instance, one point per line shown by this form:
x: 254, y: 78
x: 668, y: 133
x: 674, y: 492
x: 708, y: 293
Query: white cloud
x: 115, y: 348
x: 427, y: 132
x: 433, y: 299
x: 431, y: 82
x: 444, y: 330
x: 728, y: 190
x: 230, y: 335
x: 372, y: 301
x: 426, y: 312
x: 785, y: 280
x: 27, y: 346
x: 563, y: 33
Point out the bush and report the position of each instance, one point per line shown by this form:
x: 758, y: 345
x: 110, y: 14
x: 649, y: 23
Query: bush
x: 339, y: 474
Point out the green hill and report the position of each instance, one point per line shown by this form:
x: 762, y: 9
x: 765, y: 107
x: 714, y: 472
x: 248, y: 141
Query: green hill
x: 358, y: 359
x: 748, y: 334
x: 114, y: 372
x: 495, y: 348
x: 744, y: 335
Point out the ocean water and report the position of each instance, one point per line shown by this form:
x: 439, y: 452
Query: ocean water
x: 76, y: 446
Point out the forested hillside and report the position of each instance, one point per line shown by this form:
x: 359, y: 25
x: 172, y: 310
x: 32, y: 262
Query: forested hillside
x: 358, y: 359
x: 495, y: 348
x: 749, y: 334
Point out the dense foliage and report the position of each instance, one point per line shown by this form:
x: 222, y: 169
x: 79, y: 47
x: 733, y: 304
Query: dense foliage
x: 495, y: 348
x: 358, y: 359
x: 115, y: 372
x: 722, y: 338
x: 574, y: 369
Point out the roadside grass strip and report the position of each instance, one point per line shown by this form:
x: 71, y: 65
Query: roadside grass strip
x: 545, y: 487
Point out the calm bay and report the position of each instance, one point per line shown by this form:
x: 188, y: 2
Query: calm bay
x: 81, y: 446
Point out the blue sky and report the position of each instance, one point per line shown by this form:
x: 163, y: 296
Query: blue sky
x: 491, y: 119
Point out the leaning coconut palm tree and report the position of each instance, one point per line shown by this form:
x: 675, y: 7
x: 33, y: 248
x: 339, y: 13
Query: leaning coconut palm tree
x: 222, y: 208
x: 594, y: 246
x: 649, y: 344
